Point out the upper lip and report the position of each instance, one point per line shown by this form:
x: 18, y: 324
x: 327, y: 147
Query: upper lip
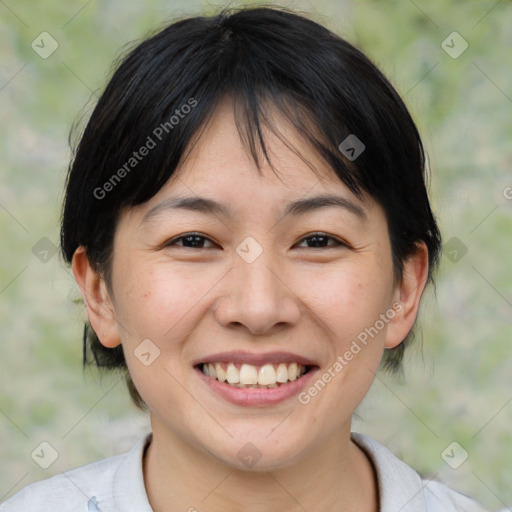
x: 255, y: 359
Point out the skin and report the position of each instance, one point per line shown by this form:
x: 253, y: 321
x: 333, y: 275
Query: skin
x: 193, y: 302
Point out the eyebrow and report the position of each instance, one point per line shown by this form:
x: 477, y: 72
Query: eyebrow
x: 211, y: 207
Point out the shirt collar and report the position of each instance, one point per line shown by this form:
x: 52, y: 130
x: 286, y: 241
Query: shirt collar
x: 400, y: 487
x: 129, y: 490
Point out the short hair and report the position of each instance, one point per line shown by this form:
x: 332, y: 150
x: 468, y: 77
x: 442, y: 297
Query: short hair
x: 265, y: 57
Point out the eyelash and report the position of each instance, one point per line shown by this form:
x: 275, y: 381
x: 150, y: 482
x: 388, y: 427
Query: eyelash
x: 339, y: 243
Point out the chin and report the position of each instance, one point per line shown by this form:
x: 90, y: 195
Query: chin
x: 252, y: 452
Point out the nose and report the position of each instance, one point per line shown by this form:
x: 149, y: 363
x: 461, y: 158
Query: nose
x: 258, y: 297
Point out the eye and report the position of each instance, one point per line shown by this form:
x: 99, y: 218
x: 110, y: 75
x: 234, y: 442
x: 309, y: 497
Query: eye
x: 321, y: 240
x: 198, y: 241
x: 190, y: 241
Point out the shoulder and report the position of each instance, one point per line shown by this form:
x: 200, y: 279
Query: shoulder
x: 402, y: 488
x: 77, y: 489
x: 107, y: 485
x: 440, y: 497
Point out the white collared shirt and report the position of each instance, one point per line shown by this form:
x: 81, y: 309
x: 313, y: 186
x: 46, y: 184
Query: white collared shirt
x: 116, y: 484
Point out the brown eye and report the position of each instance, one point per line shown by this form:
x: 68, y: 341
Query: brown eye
x: 321, y: 240
x: 190, y: 241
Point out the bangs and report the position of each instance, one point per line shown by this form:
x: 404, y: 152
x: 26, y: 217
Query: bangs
x: 167, y: 121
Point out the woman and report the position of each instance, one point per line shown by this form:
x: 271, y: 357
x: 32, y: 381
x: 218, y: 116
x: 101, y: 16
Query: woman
x: 247, y: 219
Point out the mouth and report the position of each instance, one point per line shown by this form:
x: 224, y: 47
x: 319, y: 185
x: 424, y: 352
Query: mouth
x: 254, y: 380
x: 248, y: 376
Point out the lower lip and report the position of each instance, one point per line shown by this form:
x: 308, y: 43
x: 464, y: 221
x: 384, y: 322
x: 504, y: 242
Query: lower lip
x: 254, y: 397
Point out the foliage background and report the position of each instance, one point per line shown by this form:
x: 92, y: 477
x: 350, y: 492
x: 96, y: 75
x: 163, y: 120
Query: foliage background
x: 457, y: 380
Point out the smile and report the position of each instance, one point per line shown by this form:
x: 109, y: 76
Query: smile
x: 243, y: 375
x: 255, y: 380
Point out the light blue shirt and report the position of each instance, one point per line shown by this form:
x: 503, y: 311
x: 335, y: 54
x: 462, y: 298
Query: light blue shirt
x: 116, y: 484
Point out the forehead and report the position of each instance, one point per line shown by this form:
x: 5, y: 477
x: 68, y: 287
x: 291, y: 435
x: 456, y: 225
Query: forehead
x: 219, y: 167
x: 220, y: 160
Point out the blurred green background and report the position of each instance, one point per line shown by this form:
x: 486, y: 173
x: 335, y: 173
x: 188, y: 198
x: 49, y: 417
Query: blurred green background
x: 458, y: 373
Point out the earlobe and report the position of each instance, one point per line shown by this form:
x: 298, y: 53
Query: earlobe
x: 408, y: 294
x: 97, y: 300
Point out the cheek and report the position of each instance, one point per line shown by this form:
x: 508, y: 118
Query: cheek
x: 162, y: 301
x: 151, y: 303
x: 349, y: 298
x: 156, y: 305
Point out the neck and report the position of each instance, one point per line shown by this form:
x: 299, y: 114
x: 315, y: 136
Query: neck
x: 335, y: 476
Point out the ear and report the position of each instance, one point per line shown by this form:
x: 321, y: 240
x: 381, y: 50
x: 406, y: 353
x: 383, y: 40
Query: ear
x: 97, y: 300
x: 407, y: 296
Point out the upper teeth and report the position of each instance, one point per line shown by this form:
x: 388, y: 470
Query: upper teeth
x: 247, y: 374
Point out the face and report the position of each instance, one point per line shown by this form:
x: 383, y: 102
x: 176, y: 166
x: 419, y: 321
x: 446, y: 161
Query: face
x: 268, y: 285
